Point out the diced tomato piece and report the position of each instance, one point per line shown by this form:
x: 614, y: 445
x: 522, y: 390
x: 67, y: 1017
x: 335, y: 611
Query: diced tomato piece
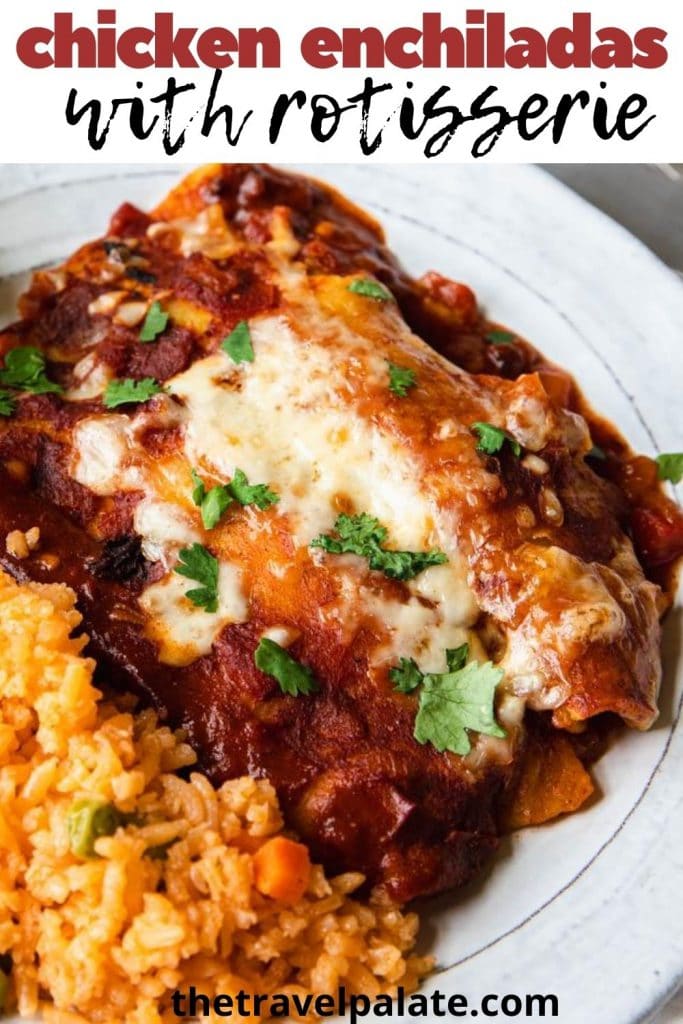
x: 658, y: 535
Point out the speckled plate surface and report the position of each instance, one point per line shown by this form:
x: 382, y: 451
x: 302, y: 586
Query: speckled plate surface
x: 588, y: 908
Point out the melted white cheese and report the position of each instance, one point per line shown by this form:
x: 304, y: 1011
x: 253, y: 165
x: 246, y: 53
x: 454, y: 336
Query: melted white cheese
x: 591, y: 613
x: 180, y: 628
x: 207, y: 233
x: 90, y: 379
x: 110, y: 458
x: 417, y: 630
x: 101, y: 445
x: 289, y: 421
x: 162, y: 526
x: 447, y: 588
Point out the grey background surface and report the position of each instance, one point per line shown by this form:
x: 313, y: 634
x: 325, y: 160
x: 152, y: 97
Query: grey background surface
x: 646, y: 198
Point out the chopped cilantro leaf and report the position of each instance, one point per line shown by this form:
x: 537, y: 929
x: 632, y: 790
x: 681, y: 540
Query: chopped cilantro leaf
x: 251, y: 494
x: 451, y: 703
x: 405, y: 565
x: 363, y: 535
x: 293, y: 677
x: 238, y: 344
x: 370, y: 289
x: 155, y: 322
x: 199, y: 490
x: 401, y: 379
x: 213, y: 503
x: 670, y: 466
x: 359, y: 530
x: 25, y: 371
x: 407, y: 676
x: 127, y: 391
x: 492, y: 439
x: 7, y: 404
x: 199, y: 565
x: 500, y: 337
x: 456, y: 657
x: 597, y: 452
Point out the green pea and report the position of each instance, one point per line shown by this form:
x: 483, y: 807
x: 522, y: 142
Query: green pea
x: 87, y: 821
x: 160, y: 852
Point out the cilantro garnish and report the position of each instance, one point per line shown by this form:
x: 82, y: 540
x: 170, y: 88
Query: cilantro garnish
x: 155, y: 322
x: 199, y: 565
x: 401, y: 379
x: 25, y: 371
x: 213, y: 505
x: 597, y: 452
x: 238, y: 344
x: 405, y: 565
x: 293, y: 677
x: 492, y: 439
x: 500, y: 337
x: 363, y: 535
x: 354, y: 531
x: 7, y: 404
x: 451, y: 703
x: 455, y: 702
x: 214, y: 502
x: 370, y: 289
x: 127, y: 391
x: 406, y: 677
x: 456, y: 657
x: 199, y: 490
x: 251, y: 494
x: 670, y: 466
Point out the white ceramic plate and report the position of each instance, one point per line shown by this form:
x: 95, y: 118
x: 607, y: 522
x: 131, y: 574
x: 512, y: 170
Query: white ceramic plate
x: 588, y: 908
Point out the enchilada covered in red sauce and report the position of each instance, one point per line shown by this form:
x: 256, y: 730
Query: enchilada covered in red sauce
x: 345, y: 531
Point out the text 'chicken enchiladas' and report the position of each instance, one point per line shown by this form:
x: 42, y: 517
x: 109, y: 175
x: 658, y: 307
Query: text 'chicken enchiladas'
x: 352, y: 537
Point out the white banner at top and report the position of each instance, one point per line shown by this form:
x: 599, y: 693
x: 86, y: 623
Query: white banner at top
x: 522, y: 81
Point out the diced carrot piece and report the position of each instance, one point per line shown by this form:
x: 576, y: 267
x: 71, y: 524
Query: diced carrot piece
x: 552, y: 782
x: 282, y: 869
